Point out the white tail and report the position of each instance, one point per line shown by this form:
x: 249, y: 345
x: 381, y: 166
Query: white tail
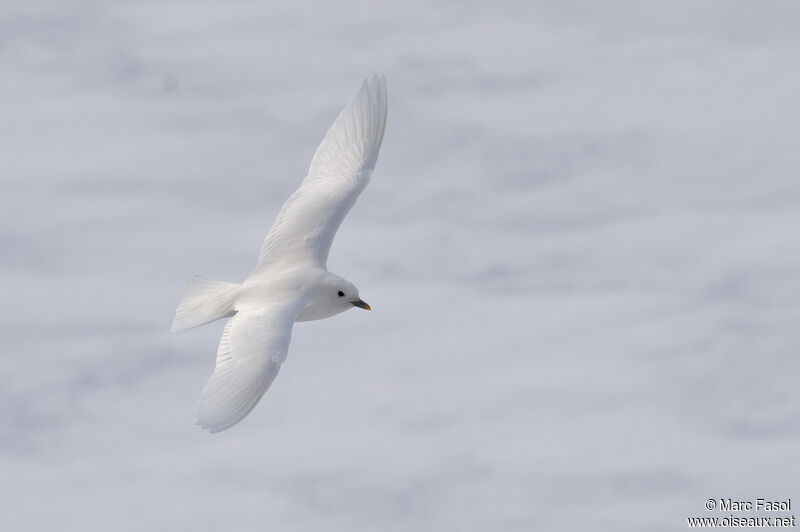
x: 204, y: 300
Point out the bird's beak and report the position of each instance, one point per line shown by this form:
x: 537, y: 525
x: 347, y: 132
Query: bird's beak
x: 361, y: 304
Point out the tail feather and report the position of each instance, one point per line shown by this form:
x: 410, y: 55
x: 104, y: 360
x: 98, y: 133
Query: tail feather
x: 204, y: 301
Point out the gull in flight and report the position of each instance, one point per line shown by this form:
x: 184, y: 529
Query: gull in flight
x: 291, y: 282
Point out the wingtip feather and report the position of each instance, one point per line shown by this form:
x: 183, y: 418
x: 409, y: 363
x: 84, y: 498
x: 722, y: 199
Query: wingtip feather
x: 357, y: 133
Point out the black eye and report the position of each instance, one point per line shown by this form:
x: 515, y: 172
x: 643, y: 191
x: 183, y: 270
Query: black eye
x: 341, y: 294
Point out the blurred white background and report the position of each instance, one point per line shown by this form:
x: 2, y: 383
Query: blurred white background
x: 580, y: 244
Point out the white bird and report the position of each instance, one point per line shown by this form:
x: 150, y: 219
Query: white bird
x: 291, y: 282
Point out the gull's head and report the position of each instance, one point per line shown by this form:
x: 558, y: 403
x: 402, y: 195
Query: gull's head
x: 345, y: 294
x: 332, y: 295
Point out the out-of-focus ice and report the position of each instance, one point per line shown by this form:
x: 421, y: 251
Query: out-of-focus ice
x: 580, y: 245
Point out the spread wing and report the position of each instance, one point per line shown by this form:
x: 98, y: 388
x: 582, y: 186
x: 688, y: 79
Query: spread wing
x: 251, y: 351
x: 339, y: 171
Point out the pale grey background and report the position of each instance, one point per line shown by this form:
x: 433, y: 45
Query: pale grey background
x: 580, y: 243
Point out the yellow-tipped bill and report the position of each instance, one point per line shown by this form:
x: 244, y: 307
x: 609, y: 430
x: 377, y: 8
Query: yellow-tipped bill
x: 361, y: 304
